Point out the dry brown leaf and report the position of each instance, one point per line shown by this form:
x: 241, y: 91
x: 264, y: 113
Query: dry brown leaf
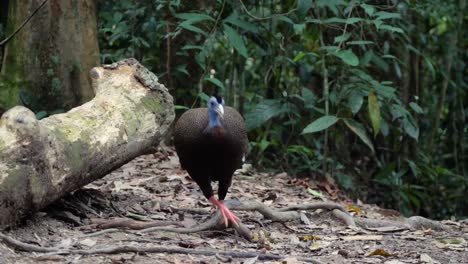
x: 380, y: 252
x: 309, y: 237
x: 355, y: 209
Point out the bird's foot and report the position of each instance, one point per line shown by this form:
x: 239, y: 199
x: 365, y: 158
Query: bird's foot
x: 227, y: 215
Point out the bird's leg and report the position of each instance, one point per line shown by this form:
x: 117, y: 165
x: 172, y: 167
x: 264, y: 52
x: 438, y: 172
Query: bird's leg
x: 225, y: 212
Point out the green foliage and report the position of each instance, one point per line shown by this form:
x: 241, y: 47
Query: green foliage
x: 320, y: 84
x: 320, y: 124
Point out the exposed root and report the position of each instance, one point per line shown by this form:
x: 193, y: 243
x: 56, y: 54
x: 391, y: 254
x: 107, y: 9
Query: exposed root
x: 127, y: 223
x: 102, y: 232
x: 215, y: 222
x: 412, y: 223
x: 345, y: 217
x: 291, y: 213
x: 314, y: 206
x: 419, y: 222
x: 18, y: 245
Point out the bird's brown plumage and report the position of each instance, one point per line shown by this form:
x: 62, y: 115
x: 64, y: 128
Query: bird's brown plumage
x: 211, y: 154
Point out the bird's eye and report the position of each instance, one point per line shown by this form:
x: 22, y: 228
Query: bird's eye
x: 212, y: 103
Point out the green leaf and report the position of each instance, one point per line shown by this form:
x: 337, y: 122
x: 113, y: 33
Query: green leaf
x: 397, y: 67
x: 204, y: 96
x: 374, y: 112
x: 391, y: 29
x: 369, y: 9
x: 360, y: 42
x: 361, y: 74
x: 416, y: 108
x: 384, y: 90
x: 384, y: 129
x: 235, y: 40
x: 334, y: 20
x: 381, y: 63
x: 348, y: 57
x: 410, y: 129
x: 234, y: 20
x: 299, y: 28
x: 320, y: 124
x: 386, y: 15
x: 262, y: 112
x: 342, y: 38
x: 181, y: 107
x: 299, y: 56
x: 398, y: 111
x: 430, y: 66
x: 41, y: 114
x: 193, y: 17
x: 190, y: 47
x: 182, y: 69
x: 188, y: 25
x: 315, y: 193
x: 303, y: 6
x: 413, y: 167
x: 284, y: 19
x: 353, y: 20
x: 308, y: 96
x: 263, y: 145
x: 355, y: 102
x: 332, y: 4
x: 359, y: 130
x: 216, y: 82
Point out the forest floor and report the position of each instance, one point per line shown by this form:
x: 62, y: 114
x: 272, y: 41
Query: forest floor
x: 153, y: 189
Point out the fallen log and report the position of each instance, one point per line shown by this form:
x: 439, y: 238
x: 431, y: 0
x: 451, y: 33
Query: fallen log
x: 41, y: 160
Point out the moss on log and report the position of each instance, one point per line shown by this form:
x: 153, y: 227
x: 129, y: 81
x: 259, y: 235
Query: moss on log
x: 41, y: 160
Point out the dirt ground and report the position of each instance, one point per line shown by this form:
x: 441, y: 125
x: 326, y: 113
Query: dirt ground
x: 152, y: 187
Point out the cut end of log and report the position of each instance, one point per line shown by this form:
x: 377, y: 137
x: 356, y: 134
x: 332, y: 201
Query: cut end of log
x: 19, y: 118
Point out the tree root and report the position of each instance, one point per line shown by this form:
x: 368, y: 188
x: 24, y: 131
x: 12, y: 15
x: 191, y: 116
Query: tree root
x: 126, y: 223
x: 289, y: 214
x: 16, y: 244
x: 412, y: 223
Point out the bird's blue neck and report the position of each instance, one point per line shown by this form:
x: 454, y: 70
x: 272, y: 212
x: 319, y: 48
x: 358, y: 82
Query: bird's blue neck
x: 213, y: 118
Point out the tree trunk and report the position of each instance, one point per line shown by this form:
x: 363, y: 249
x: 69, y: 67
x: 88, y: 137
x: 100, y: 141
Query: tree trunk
x: 40, y: 161
x: 48, y: 60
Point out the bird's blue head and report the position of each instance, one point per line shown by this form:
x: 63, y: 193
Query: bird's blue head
x: 215, y: 111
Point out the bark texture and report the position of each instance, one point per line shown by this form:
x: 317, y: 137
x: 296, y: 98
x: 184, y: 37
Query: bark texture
x: 40, y: 161
x: 51, y: 56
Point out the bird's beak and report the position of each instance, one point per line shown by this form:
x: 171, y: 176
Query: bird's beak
x: 220, y: 111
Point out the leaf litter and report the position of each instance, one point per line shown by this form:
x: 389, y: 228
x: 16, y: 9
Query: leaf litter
x: 151, y: 186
